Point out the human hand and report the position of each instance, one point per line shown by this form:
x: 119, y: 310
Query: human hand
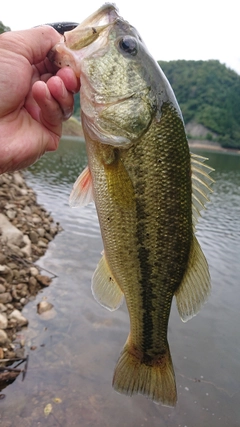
x: 35, y: 97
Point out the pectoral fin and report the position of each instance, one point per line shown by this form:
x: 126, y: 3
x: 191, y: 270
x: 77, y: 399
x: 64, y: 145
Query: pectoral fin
x: 195, y: 286
x: 82, y: 192
x: 104, y: 287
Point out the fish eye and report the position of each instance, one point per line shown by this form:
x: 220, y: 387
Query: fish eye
x: 129, y: 45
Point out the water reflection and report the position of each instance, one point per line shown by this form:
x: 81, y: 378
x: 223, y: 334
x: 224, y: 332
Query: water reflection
x: 77, y: 347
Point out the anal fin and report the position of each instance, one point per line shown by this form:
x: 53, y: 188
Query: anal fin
x: 104, y: 287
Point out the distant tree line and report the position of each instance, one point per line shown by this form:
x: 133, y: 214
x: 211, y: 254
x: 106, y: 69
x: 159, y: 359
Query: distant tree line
x: 209, y: 94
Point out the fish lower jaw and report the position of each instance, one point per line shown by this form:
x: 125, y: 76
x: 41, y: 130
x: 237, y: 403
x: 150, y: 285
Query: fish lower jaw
x: 62, y: 57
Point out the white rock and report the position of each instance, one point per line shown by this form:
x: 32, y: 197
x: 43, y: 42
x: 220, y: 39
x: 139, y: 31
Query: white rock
x: 27, y: 210
x: 3, y: 321
x: 36, y: 219
x: 42, y: 244
x: 10, y: 233
x: 23, y: 191
x: 41, y: 232
x: 27, y: 249
x: 44, y: 306
x: 5, y: 298
x: 3, y: 337
x: 2, y: 308
x: 11, y: 214
x: 2, y: 289
x: 17, y: 315
x: 34, y: 271
x: 18, y: 179
x: 10, y: 206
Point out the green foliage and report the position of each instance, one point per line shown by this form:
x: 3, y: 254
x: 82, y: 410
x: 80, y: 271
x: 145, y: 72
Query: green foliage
x: 208, y: 93
x: 3, y: 29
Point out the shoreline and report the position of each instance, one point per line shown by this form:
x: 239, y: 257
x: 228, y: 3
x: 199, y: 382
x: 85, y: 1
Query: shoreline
x: 193, y: 143
x: 26, y: 229
x: 210, y: 146
x: 72, y: 128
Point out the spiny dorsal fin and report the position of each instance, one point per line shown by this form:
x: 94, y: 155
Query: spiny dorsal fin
x: 196, y: 284
x: 104, y: 287
x: 82, y: 192
x: 201, y: 182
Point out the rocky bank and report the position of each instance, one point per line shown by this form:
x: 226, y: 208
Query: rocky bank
x: 25, y: 231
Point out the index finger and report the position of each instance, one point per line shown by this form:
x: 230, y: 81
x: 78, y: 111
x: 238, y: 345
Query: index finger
x: 34, y: 44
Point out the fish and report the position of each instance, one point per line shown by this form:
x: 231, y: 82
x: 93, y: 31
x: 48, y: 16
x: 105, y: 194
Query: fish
x: 148, y: 190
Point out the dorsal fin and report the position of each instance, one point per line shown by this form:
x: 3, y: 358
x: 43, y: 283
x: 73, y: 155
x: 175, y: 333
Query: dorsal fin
x: 82, y: 192
x: 201, y: 182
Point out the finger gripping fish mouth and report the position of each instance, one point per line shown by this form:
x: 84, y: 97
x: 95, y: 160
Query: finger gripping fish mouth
x: 86, y: 38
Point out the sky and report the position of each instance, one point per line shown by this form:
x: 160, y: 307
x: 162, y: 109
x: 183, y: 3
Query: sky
x: 171, y: 29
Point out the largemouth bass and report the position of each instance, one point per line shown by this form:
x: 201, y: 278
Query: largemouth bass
x: 148, y: 192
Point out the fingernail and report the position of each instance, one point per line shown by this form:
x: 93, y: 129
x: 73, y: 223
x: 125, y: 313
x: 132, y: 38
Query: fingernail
x: 67, y: 112
x: 64, y: 91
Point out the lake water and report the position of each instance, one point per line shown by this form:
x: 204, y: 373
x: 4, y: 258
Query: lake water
x: 77, y: 347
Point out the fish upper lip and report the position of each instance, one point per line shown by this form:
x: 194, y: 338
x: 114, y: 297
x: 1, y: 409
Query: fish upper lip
x: 105, y: 15
x: 91, y: 28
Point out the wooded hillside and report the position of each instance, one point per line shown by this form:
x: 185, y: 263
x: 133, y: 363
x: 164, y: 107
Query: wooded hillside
x: 209, y: 94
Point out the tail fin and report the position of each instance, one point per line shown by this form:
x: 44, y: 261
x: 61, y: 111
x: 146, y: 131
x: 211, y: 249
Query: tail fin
x: 156, y: 381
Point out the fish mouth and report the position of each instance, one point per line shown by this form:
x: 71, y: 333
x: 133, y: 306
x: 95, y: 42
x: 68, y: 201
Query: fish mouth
x: 91, y: 28
x: 85, y: 39
x: 77, y: 44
